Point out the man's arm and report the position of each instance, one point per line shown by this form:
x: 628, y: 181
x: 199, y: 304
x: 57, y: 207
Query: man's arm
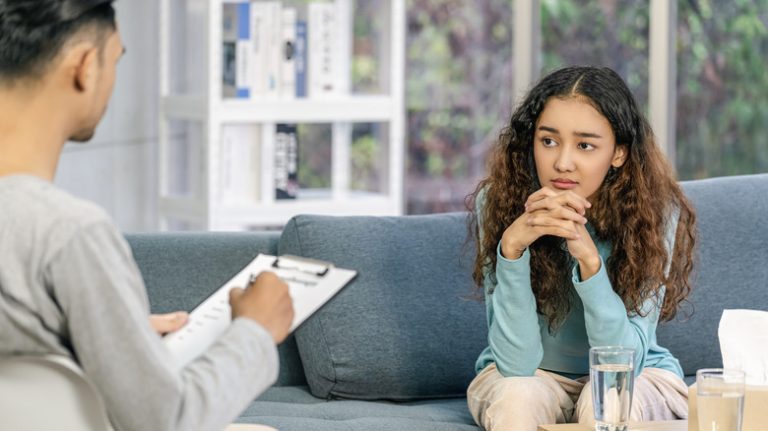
x: 101, y: 293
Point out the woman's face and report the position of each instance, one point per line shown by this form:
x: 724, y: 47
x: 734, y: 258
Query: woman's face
x: 574, y: 146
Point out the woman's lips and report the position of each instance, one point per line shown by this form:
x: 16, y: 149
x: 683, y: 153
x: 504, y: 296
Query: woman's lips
x: 563, y: 184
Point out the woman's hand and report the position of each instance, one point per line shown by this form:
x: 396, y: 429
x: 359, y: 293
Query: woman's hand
x: 566, y: 210
x: 547, y: 213
x: 170, y: 322
x: 557, y: 213
x: 585, y: 252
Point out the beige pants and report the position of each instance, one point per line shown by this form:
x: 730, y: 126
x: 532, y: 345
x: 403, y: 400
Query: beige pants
x: 522, y: 403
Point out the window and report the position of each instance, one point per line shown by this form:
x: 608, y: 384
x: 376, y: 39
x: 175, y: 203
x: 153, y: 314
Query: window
x: 608, y: 33
x: 458, y: 96
x: 722, y: 88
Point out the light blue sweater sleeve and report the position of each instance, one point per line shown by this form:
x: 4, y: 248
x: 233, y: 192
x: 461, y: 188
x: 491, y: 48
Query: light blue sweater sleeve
x: 514, y: 337
x: 605, y: 315
x: 606, y: 318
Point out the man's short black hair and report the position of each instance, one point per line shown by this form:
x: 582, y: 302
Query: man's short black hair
x: 32, y: 32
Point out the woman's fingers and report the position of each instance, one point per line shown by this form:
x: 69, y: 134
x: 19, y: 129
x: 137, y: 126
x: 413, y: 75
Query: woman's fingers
x: 552, y: 202
x: 545, y: 224
x: 538, y: 195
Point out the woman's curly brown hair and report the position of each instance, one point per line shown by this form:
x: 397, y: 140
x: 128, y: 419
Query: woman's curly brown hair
x: 630, y: 210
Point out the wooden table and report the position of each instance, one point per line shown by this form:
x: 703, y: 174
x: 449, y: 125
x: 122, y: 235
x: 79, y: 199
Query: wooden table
x: 633, y: 426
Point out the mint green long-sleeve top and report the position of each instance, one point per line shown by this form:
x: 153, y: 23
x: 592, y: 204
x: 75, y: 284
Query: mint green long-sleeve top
x: 519, y: 340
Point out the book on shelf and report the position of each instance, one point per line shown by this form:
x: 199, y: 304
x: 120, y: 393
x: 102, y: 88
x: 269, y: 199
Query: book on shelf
x: 236, y: 45
x: 321, y: 38
x: 272, y: 51
x: 239, y: 163
x: 266, y: 23
x: 286, y: 166
x: 300, y: 58
x: 288, y: 54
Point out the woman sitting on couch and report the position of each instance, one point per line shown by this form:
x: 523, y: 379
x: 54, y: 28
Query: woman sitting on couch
x: 584, y: 239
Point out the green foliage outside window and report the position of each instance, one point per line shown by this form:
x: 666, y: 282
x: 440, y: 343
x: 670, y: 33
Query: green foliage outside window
x: 459, y: 78
x: 722, y: 96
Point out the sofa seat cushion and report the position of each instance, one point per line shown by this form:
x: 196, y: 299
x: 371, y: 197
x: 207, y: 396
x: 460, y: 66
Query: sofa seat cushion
x: 293, y: 408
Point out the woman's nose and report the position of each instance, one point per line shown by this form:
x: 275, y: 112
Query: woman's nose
x: 564, y: 161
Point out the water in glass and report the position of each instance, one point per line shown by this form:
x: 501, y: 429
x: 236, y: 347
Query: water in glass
x: 612, y: 395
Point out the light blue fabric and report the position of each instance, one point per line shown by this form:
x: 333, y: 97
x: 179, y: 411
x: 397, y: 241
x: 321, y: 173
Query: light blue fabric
x: 519, y: 338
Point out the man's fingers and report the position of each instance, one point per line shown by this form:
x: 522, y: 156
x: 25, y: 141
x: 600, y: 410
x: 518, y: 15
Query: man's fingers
x: 235, y: 293
x: 170, y: 322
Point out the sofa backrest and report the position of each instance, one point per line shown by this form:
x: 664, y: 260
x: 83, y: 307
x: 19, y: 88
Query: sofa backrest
x: 405, y: 328
x: 732, y: 267
x: 180, y: 270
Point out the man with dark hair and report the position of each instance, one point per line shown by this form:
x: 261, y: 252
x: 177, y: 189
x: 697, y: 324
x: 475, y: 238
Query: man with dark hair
x: 68, y: 282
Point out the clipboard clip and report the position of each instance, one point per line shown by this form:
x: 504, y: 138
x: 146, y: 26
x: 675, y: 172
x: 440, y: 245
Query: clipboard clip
x: 303, y: 264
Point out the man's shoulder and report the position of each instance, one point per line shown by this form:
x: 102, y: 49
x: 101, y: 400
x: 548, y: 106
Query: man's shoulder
x: 37, y: 204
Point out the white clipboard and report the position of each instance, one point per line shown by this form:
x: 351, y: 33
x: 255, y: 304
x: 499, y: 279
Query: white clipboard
x: 311, y: 284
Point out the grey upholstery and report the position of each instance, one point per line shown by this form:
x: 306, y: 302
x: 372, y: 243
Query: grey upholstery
x: 383, y: 337
x: 732, y: 267
x: 407, y: 312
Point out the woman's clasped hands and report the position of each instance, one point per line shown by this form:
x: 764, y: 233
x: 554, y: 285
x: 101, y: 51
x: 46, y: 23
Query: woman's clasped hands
x: 558, y: 213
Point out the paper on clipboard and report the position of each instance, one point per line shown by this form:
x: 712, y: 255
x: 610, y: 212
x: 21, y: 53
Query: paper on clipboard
x: 311, y: 284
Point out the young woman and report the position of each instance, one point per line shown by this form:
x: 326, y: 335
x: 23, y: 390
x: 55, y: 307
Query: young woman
x: 584, y: 239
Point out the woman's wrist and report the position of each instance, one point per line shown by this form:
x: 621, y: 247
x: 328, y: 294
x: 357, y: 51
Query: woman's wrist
x: 589, y: 267
x: 512, y: 251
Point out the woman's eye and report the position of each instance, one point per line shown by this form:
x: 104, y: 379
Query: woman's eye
x: 548, y: 142
x: 586, y: 146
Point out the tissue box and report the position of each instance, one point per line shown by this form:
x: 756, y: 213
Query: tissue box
x: 755, y: 409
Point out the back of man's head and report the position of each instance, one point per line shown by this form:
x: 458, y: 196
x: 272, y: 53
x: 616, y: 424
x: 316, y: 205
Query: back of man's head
x: 33, y: 32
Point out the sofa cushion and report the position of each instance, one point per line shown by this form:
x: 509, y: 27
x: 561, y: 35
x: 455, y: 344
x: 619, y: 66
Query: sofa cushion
x: 732, y: 267
x: 295, y: 409
x: 405, y: 328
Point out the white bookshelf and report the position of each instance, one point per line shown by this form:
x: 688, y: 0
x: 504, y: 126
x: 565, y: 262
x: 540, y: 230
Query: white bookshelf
x: 193, y: 114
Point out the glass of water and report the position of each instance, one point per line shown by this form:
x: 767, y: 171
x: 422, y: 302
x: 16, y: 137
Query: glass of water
x: 720, y: 399
x: 612, y: 374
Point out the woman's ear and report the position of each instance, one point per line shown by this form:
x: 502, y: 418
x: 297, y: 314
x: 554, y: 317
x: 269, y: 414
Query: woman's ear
x: 619, y: 156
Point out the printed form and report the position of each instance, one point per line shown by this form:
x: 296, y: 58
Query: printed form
x: 311, y: 284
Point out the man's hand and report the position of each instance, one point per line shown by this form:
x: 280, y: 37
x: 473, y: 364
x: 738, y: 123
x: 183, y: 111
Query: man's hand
x: 268, y: 302
x: 171, y: 322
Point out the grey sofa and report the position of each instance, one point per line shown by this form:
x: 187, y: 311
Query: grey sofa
x: 395, y: 349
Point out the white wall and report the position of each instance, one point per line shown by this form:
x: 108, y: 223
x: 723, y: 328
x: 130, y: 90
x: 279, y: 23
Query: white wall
x: 117, y: 168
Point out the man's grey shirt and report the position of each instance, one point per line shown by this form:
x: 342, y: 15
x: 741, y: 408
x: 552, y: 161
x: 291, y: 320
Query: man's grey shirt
x: 69, y: 286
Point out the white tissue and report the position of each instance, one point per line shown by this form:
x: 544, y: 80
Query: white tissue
x: 744, y: 343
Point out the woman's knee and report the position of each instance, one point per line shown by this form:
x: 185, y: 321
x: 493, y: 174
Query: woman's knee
x: 522, y: 403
